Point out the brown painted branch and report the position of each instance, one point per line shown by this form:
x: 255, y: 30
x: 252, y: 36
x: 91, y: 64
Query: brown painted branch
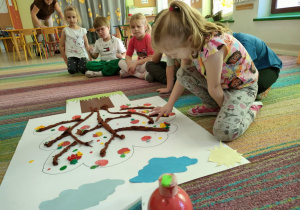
x: 138, y: 107
x: 59, y: 123
x: 142, y: 128
x: 81, y: 133
x: 81, y: 142
x: 109, y: 119
x: 55, y: 158
x: 63, y: 135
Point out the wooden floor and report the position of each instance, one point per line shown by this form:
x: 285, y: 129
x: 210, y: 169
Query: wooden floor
x: 7, y: 60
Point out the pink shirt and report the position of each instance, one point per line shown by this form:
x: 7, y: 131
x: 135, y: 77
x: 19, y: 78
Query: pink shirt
x: 142, y: 47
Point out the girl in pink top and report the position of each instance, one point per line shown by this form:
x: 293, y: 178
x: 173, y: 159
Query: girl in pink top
x: 141, y: 43
x: 222, y: 73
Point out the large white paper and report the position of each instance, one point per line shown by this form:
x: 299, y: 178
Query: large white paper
x: 28, y: 184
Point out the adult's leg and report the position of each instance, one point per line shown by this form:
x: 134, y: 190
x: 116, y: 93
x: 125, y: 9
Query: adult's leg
x: 235, y: 115
x: 157, y: 71
x: 267, y: 77
x: 72, y: 65
x: 81, y: 65
x: 49, y: 23
x: 39, y: 36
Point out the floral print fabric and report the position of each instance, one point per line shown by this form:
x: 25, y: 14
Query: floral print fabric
x: 238, y: 70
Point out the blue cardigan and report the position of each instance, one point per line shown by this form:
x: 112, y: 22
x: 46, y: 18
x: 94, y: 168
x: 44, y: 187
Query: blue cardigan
x: 262, y: 56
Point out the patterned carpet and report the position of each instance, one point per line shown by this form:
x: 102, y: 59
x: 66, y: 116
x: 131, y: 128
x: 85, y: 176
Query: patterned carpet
x: 272, y: 143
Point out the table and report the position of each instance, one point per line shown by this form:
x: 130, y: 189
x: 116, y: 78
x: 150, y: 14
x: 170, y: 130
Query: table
x: 14, y: 32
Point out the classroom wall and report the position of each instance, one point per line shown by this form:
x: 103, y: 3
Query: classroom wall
x: 24, y: 9
x: 280, y: 35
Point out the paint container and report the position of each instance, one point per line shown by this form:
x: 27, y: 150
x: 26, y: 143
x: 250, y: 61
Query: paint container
x: 169, y: 196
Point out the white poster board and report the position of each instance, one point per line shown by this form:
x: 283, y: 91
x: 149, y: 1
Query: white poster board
x: 116, y: 180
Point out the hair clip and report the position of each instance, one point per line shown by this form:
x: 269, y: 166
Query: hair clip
x: 171, y: 9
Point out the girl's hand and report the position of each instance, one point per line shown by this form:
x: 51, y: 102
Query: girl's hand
x: 131, y: 68
x: 91, y: 49
x: 163, y: 90
x: 165, y: 110
x: 119, y: 56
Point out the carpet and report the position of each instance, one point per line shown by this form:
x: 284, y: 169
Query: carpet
x: 271, y: 144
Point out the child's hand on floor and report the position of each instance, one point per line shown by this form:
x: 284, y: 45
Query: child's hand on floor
x: 163, y: 90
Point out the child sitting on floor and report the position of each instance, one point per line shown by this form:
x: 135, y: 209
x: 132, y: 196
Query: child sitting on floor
x: 110, y: 48
x: 73, y: 43
x: 141, y: 43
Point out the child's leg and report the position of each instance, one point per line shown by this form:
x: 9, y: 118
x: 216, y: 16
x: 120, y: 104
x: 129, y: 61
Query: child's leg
x: 123, y: 66
x: 82, y: 65
x: 157, y: 71
x: 192, y: 80
x: 140, y: 71
x: 111, y: 67
x: 124, y: 70
x: 235, y: 115
x: 72, y: 65
x: 95, y: 65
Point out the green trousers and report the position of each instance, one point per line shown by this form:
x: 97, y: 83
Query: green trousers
x: 108, y: 68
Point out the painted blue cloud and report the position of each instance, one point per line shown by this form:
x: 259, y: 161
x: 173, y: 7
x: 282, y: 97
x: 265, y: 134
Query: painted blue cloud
x: 85, y: 196
x: 159, y: 166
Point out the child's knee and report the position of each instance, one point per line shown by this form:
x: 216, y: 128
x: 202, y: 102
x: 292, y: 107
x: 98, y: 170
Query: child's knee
x: 225, y: 134
x: 71, y: 70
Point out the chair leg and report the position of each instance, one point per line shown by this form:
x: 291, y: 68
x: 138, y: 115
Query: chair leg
x: 29, y: 50
x: 39, y: 50
x: 43, y: 51
x: 14, y: 53
x: 24, y: 48
x: 45, y: 46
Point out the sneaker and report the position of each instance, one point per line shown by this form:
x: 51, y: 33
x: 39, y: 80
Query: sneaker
x: 263, y: 95
x: 124, y: 74
x: 91, y: 74
x: 203, y: 111
x: 255, y: 107
x: 57, y: 52
x: 148, y: 77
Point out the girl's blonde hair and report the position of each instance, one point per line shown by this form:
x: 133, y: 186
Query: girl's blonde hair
x: 140, y: 17
x: 182, y: 22
x: 74, y: 9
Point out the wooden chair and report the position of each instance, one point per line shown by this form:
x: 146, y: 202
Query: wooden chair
x: 92, y: 36
x: 20, y: 44
x: 124, y: 36
x: 34, y: 43
x: 47, y: 43
x: 4, y: 43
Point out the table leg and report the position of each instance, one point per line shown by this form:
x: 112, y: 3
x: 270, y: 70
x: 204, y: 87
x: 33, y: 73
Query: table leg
x: 16, y: 45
